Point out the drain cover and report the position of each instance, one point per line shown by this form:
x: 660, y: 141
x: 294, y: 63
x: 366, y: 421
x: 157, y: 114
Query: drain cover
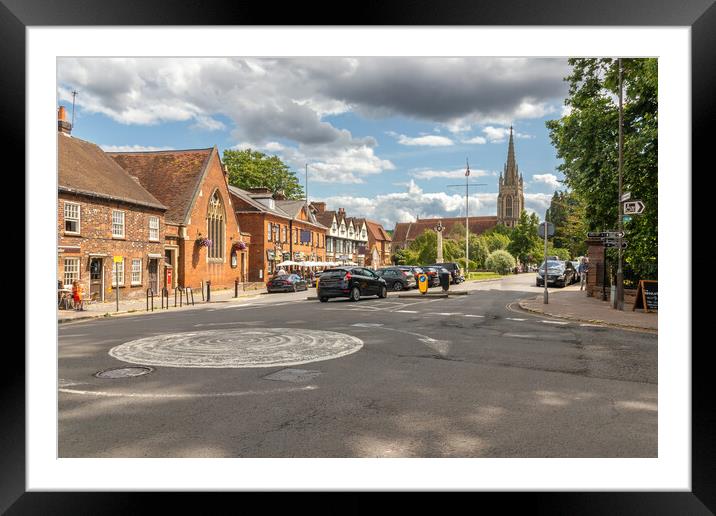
x: 292, y: 375
x: 124, y: 372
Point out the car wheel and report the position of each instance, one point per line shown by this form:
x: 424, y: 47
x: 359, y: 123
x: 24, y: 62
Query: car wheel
x: 398, y: 285
x: 383, y: 293
x: 323, y: 299
x: 355, y: 294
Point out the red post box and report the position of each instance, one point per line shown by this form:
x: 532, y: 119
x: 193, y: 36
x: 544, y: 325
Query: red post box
x: 168, y: 271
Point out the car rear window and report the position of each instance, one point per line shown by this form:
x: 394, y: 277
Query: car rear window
x: 333, y: 273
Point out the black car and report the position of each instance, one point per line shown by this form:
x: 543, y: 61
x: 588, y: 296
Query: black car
x: 559, y: 273
x: 455, y: 272
x: 397, y: 278
x: 350, y: 282
x: 433, y: 273
x: 286, y: 283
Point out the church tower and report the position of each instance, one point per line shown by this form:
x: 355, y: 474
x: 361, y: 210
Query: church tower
x: 511, y: 197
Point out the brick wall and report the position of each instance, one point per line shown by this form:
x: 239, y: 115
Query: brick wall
x: 195, y: 266
x: 95, y: 238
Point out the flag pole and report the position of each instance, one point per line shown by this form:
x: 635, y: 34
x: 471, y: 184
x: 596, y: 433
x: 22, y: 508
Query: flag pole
x: 467, y: 219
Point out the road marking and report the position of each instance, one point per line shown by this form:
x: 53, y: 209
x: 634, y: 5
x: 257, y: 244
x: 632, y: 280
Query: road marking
x: 554, y: 322
x: 444, y: 313
x: 470, y: 315
x: 406, y: 311
x: 367, y: 325
x: 596, y: 325
x: 197, y: 395
x: 519, y: 335
x: 514, y: 319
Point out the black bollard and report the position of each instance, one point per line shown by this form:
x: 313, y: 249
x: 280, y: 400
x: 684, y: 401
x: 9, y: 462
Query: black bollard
x: 208, y: 291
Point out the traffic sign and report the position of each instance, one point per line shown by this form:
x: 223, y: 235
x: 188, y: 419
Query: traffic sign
x: 625, y: 196
x: 550, y: 229
x: 633, y: 207
x: 615, y: 244
x: 605, y: 234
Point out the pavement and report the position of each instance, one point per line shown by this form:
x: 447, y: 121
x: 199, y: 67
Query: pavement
x: 573, y: 304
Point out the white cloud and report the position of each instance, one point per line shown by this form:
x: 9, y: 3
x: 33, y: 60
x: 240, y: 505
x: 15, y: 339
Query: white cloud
x: 429, y: 141
x: 500, y: 134
x: 208, y: 124
x: 547, y: 179
x: 478, y: 140
x: 537, y: 202
x: 459, y: 173
x: 132, y: 148
x: 413, y: 203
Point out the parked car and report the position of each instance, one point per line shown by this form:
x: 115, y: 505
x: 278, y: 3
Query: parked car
x: 412, y: 269
x: 559, y: 273
x: 433, y: 277
x: 456, y: 275
x: 286, y: 283
x: 397, y: 278
x: 350, y: 282
x: 577, y: 275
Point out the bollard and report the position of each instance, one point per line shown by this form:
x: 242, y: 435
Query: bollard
x: 208, y: 291
x: 165, y: 292
x: 175, y: 296
x: 188, y: 291
x: 150, y: 293
x: 236, y: 288
x: 202, y: 290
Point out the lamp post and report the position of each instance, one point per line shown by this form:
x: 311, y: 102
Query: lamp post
x: 619, y: 303
x: 467, y: 217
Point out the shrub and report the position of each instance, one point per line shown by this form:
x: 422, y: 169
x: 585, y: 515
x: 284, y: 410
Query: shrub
x: 500, y: 261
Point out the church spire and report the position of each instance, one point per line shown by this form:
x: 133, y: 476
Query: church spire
x: 511, y: 166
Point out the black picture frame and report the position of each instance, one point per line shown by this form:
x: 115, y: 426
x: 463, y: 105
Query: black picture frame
x: 699, y: 15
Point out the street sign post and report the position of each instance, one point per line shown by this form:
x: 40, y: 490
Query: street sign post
x: 615, y: 243
x: 633, y: 207
x: 625, y: 196
x: 606, y: 234
x: 550, y: 229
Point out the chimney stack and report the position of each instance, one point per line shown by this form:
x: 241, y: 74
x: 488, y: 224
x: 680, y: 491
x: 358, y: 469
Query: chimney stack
x: 320, y: 206
x: 342, y: 211
x: 63, y: 125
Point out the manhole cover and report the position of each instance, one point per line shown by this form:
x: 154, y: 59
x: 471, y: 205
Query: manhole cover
x: 292, y: 375
x: 124, y: 372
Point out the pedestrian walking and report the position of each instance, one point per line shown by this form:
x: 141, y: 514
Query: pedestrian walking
x: 77, y: 295
x: 583, y: 270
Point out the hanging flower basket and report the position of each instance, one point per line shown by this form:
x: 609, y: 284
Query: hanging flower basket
x: 239, y: 246
x: 203, y: 242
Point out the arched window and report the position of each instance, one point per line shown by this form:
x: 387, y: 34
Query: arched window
x: 508, y: 207
x: 216, y: 226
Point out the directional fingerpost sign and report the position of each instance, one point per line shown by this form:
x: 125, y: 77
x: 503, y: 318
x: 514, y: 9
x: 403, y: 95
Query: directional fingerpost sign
x: 633, y: 207
x: 626, y: 196
x: 550, y: 229
x: 606, y: 234
x: 613, y: 243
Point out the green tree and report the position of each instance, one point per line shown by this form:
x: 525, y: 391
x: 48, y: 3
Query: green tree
x: 586, y: 140
x: 457, y: 232
x: 254, y: 169
x: 500, y: 262
x: 478, y: 250
x: 524, y: 242
x: 567, y: 213
x: 496, y: 241
x: 400, y: 257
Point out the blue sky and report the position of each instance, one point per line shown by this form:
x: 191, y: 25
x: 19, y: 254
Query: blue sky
x: 383, y: 137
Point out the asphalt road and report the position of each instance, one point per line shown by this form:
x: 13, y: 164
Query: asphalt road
x: 467, y: 376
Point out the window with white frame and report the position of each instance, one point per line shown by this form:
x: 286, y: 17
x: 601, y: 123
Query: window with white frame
x: 136, y: 271
x: 117, y: 224
x: 284, y: 239
x: 216, y: 227
x: 72, y: 217
x: 118, y: 273
x: 71, y: 271
x: 154, y: 228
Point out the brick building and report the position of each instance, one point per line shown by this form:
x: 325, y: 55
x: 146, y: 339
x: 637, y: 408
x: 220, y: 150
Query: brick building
x: 280, y: 230
x: 379, y: 245
x: 193, y: 185
x: 406, y: 232
x: 104, y: 213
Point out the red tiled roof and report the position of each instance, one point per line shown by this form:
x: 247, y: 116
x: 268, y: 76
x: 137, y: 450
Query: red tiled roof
x: 172, y: 176
x: 376, y: 229
x: 406, y: 232
x: 85, y: 168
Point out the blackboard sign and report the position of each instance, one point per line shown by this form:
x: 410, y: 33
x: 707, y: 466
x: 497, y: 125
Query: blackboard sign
x: 647, y: 296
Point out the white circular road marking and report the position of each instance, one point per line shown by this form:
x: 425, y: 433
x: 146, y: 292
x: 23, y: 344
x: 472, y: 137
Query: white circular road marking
x: 237, y: 348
